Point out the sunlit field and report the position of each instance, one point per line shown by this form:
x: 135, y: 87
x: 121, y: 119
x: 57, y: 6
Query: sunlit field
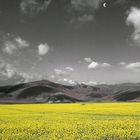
x: 83, y: 121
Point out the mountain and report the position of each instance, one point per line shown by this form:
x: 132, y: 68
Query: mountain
x: 49, y: 92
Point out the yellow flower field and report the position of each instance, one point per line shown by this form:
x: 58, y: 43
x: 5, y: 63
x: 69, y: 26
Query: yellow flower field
x: 83, y: 121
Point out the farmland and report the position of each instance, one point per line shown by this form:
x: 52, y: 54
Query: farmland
x: 80, y: 121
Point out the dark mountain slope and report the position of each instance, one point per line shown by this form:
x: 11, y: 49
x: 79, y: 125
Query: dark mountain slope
x: 47, y: 91
x: 127, y: 96
x: 35, y: 91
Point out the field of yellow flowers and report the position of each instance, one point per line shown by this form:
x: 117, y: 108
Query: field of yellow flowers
x: 83, y: 121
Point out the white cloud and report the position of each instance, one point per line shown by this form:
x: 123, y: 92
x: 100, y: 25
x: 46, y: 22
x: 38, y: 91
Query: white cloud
x: 91, y: 83
x: 71, y: 82
x: 33, y: 7
x: 10, y: 75
x: 106, y: 65
x: 122, y: 63
x: 88, y: 59
x: 52, y: 76
x: 93, y: 65
x: 21, y: 43
x: 8, y: 72
x: 67, y: 81
x: 134, y: 19
x: 69, y: 68
x: 133, y: 66
x: 30, y: 77
x: 60, y: 72
x: 14, y: 45
x: 64, y: 75
x: 9, y: 47
x: 43, y: 49
x: 82, y: 11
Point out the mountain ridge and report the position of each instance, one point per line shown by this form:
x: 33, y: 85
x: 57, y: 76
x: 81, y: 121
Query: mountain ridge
x: 46, y: 91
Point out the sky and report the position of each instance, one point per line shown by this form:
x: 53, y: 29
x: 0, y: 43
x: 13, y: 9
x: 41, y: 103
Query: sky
x: 69, y: 41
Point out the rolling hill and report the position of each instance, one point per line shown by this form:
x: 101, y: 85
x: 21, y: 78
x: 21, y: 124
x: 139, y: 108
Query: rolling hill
x: 49, y: 92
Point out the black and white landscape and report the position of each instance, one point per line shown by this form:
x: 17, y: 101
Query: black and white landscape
x: 50, y: 92
x: 74, y: 50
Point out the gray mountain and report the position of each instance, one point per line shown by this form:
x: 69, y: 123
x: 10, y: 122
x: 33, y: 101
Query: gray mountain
x: 49, y: 92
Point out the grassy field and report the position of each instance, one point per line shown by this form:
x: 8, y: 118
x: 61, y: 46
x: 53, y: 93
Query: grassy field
x: 91, y: 121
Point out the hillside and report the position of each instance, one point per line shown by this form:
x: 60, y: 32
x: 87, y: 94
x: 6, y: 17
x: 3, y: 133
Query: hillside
x: 49, y: 92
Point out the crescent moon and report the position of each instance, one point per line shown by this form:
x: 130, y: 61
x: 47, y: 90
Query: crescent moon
x: 104, y: 5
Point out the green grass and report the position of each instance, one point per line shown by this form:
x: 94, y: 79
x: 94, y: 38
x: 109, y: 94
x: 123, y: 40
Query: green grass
x: 91, y: 121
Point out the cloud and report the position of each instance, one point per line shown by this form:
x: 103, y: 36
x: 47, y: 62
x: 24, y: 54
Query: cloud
x: 133, y: 66
x: 13, y: 45
x: 43, y: 49
x: 63, y: 79
x: 33, y: 7
x: 85, y: 18
x: 52, y: 77
x: 21, y: 43
x: 91, y: 83
x: 69, y: 68
x: 106, y: 65
x: 69, y: 81
x: 88, y: 60
x: 93, y: 65
x: 10, y: 75
x: 9, y: 47
x: 31, y: 77
x: 122, y: 63
x: 61, y: 72
x: 134, y: 20
x: 79, y: 20
x: 7, y: 71
x: 82, y: 11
